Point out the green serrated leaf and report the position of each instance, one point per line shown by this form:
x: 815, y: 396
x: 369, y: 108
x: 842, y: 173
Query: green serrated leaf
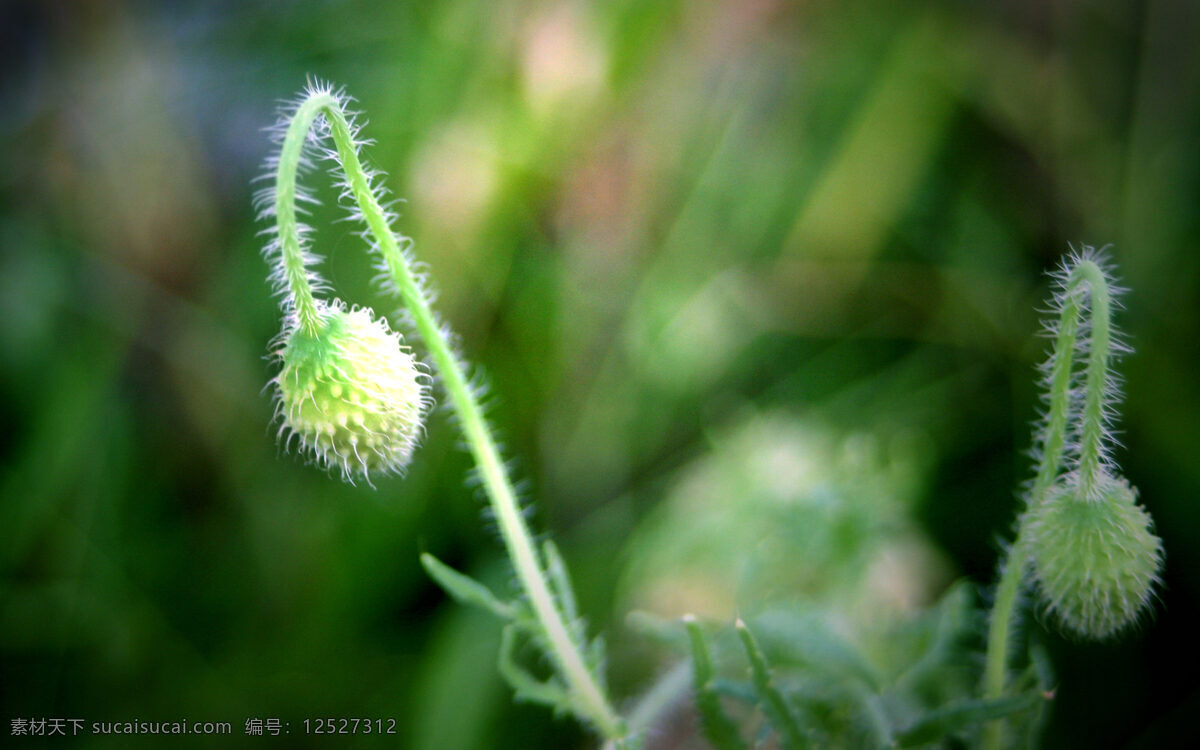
x: 772, y: 701
x: 718, y: 728
x: 564, y: 594
x: 655, y: 628
x: 958, y: 716
x: 952, y: 624
x: 874, y: 716
x: 1040, y: 678
x: 464, y: 589
x: 1039, y: 658
x: 597, y: 656
x: 806, y: 639
x: 743, y: 692
x: 525, y: 686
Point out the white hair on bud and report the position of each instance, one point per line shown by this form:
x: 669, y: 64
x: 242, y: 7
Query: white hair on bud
x: 352, y: 395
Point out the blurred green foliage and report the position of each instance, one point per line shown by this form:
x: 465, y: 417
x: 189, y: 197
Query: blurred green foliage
x: 718, y: 260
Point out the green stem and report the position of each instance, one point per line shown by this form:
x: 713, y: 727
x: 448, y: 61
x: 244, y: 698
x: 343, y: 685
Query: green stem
x: 1092, y: 433
x: 295, y: 273
x: 513, y: 530
x: 1085, y: 276
x: 1003, y: 614
x: 1058, y: 414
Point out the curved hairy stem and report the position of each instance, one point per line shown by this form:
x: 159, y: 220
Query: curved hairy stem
x: 1083, y: 277
x: 292, y: 257
x: 589, y: 697
x: 1096, y: 390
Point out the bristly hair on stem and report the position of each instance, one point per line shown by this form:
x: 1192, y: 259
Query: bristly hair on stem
x: 1094, y: 554
x: 1079, y: 322
x: 332, y: 388
x: 1082, y: 538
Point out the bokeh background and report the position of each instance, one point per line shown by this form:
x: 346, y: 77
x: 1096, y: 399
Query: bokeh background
x: 753, y: 283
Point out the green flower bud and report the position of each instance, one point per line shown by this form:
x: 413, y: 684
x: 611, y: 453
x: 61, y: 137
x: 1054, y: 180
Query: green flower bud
x: 350, y: 392
x: 1095, y: 556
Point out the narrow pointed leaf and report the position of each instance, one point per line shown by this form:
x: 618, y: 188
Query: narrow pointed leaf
x: 525, y: 686
x: 958, y: 716
x: 773, y: 704
x: 718, y: 728
x: 560, y: 583
x: 464, y: 588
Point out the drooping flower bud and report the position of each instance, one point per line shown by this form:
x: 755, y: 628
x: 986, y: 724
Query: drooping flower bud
x: 350, y: 392
x: 1095, y: 556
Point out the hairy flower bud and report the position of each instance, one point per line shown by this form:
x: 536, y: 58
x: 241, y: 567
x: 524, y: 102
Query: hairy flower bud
x: 1095, y: 557
x: 351, y: 392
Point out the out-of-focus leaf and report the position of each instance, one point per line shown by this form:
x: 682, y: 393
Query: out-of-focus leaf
x: 773, y: 704
x: 806, y: 639
x: 718, y: 727
x: 958, y: 716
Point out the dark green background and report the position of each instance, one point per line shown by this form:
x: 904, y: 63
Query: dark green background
x: 652, y: 225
